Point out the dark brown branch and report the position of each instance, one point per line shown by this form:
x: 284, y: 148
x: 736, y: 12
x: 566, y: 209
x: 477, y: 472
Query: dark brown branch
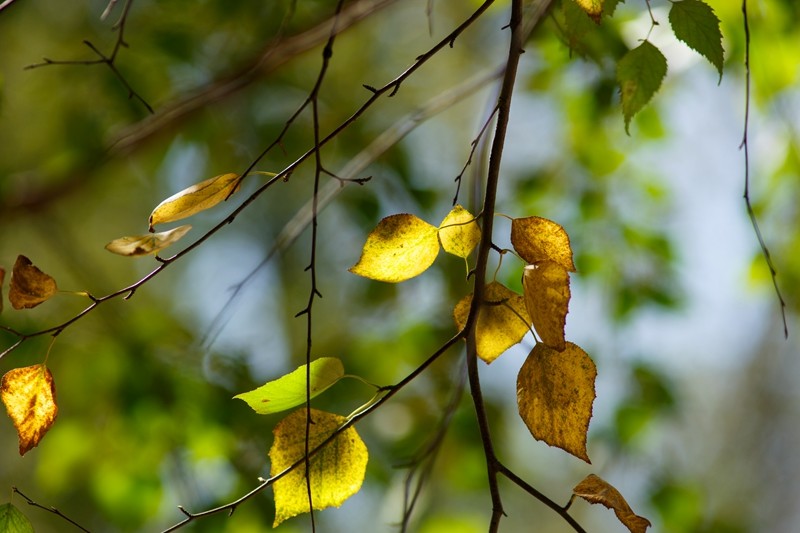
x: 50, y: 510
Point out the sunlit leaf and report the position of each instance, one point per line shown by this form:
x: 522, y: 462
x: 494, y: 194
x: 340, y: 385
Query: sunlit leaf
x: 399, y: 248
x: 459, y: 233
x: 290, y: 390
x: 593, y: 8
x: 593, y: 489
x: 198, y: 197
x: 639, y: 73
x: 695, y: 23
x: 29, y: 395
x: 151, y: 243
x: 547, y: 294
x: 538, y: 239
x: 13, y: 521
x: 502, y: 320
x: 555, y: 393
x: 29, y: 285
x: 335, y: 473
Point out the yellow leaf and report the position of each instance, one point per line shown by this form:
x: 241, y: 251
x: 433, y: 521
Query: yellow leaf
x: 29, y: 395
x: 29, y: 285
x: 459, y: 233
x: 538, y: 239
x: 399, y: 248
x: 555, y: 392
x: 198, y: 197
x: 593, y: 489
x: 152, y: 243
x: 547, y: 294
x: 593, y: 8
x: 336, y: 472
x: 502, y: 320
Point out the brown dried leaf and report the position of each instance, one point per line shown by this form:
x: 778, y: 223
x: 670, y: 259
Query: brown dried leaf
x: 538, y: 239
x: 152, y: 243
x: 502, y: 320
x: 29, y: 285
x: 555, y: 393
x: 29, y: 395
x: 547, y: 295
x: 594, y: 489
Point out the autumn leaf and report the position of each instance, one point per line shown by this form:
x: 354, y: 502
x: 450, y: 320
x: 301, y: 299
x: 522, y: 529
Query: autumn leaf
x: 547, y: 294
x: 593, y: 8
x: 13, y: 521
x: 538, y: 239
x: 695, y: 23
x: 459, y: 233
x: 502, y: 320
x: 336, y: 472
x: 29, y: 285
x: 639, y: 73
x: 399, y: 248
x: 593, y: 489
x: 29, y: 395
x: 555, y: 392
x: 198, y: 197
x: 290, y: 390
x: 152, y: 243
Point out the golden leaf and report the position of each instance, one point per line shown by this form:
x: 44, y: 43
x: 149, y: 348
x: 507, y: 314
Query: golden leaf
x: 399, y: 248
x: 29, y: 395
x: 555, y: 392
x: 459, y: 233
x: 29, y: 285
x: 593, y: 8
x: 538, y: 239
x: 336, y: 472
x: 547, y: 294
x: 593, y: 489
x: 198, y: 197
x: 152, y: 243
x: 502, y: 320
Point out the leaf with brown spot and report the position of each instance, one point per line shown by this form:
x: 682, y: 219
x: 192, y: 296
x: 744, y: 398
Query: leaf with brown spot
x: 555, y: 393
x: 459, y: 233
x: 502, y: 320
x: 538, y: 239
x: 594, y: 489
x: 152, y: 243
x: 29, y: 285
x: 547, y: 294
x: 29, y: 395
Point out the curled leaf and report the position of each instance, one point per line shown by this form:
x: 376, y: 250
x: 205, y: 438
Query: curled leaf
x: 538, y: 239
x: 336, y: 472
x: 459, y: 233
x: 290, y: 390
x: 198, y: 197
x: 152, y: 243
x: 29, y: 395
x: 594, y: 489
x: 399, y: 248
x: 29, y: 285
x: 555, y: 393
x: 547, y: 295
x: 502, y: 320
x: 13, y: 521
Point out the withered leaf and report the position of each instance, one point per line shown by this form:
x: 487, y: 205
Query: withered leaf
x: 594, y: 489
x: 29, y: 395
x: 555, y: 393
x: 538, y: 239
x: 152, y: 243
x: 547, y: 295
x: 29, y: 285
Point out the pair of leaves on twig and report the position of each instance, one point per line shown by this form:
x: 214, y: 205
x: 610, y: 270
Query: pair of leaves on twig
x: 404, y: 246
x: 337, y: 470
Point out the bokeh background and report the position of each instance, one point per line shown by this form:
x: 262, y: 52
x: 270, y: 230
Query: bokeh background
x: 696, y: 416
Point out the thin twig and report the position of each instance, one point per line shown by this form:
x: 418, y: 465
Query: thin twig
x: 50, y: 510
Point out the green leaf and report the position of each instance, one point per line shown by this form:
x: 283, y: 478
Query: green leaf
x: 695, y: 23
x: 639, y: 73
x: 290, y: 390
x: 13, y: 521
